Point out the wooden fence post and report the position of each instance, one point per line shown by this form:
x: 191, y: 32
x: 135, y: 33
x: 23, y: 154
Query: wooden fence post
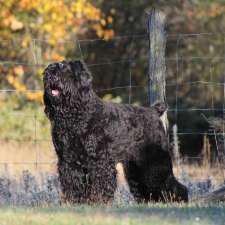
x: 157, y: 66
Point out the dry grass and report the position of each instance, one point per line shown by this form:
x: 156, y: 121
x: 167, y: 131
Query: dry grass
x: 40, y: 157
x: 16, y: 157
x: 199, y: 172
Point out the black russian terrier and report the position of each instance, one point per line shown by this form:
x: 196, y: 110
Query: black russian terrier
x: 91, y: 136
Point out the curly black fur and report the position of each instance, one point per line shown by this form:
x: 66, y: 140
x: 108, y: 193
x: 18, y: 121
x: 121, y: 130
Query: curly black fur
x: 91, y: 136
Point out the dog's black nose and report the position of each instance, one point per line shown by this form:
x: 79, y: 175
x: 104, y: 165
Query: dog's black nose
x: 61, y: 65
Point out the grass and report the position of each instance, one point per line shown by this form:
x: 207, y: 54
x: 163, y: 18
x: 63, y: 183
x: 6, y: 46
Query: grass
x: 130, y: 215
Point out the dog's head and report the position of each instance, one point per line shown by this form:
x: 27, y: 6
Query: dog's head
x: 64, y: 85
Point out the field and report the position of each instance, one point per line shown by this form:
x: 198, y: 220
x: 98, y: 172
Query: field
x: 30, y: 193
x: 134, y: 215
x: 28, y: 175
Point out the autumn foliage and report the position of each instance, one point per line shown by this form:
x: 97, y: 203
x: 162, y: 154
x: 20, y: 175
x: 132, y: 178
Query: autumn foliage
x: 31, y: 32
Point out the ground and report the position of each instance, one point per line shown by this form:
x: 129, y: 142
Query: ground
x: 130, y: 215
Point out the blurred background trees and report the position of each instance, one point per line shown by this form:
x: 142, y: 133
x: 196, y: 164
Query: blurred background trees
x: 36, y: 32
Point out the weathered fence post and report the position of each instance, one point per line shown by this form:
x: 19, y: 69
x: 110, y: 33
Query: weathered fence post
x: 157, y: 66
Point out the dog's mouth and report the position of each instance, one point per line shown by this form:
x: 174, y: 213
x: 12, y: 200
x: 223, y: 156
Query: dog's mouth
x: 55, y: 92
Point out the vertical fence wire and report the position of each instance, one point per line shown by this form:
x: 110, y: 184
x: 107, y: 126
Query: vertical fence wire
x: 37, y: 151
x: 223, y: 116
x: 130, y: 84
x: 80, y: 49
x: 177, y: 74
x: 211, y: 87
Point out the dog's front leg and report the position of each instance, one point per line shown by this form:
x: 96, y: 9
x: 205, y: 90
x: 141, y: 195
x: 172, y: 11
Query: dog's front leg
x: 73, y: 182
x: 103, y: 181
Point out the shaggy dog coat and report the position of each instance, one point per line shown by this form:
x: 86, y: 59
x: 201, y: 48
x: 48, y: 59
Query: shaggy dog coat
x: 91, y: 136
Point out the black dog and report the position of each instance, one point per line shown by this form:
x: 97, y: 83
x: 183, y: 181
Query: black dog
x: 90, y: 137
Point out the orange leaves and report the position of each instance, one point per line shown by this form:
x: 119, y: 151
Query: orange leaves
x: 206, y: 11
x: 55, y: 56
x: 82, y: 8
x: 13, y: 23
x: 215, y: 10
x: 35, y: 96
x: 49, y: 22
x: 103, y: 33
x: 103, y: 22
x: 15, y: 81
x: 28, y: 4
x: 18, y: 70
x: 92, y: 12
x: 109, y: 19
x: 108, y: 34
x: 53, y: 19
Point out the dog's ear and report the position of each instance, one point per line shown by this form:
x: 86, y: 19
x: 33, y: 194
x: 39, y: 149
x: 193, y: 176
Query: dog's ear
x: 81, y: 72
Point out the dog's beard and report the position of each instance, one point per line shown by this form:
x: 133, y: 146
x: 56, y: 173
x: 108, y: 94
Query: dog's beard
x: 60, y: 102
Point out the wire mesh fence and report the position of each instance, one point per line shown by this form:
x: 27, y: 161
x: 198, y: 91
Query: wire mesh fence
x: 195, y: 92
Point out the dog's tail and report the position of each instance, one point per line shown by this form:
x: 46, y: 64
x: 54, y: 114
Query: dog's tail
x: 160, y: 108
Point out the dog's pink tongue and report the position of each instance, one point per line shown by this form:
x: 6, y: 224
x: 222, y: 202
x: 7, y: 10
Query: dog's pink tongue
x: 55, y: 92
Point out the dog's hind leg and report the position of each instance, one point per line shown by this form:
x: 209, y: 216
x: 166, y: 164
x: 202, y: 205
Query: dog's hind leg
x: 175, y: 191
x: 157, y: 175
x: 151, y: 178
x: 133, y: 177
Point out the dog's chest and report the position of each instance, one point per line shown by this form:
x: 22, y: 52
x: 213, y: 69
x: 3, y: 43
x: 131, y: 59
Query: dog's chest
x: 70, y: 143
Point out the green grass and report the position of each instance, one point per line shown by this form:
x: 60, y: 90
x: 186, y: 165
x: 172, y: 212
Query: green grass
x: 133, y: 215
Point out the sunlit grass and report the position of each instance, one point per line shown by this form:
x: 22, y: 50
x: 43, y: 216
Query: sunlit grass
x: 131, y: 215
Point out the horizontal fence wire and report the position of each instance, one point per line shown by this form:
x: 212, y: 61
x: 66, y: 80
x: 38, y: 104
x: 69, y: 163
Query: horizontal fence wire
x: 125, y: 36
x: 119, y: 61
